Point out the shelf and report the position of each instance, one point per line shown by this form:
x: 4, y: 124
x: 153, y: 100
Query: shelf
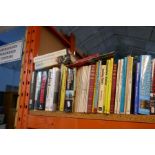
x: 43, y: 119
x: 112, y: 117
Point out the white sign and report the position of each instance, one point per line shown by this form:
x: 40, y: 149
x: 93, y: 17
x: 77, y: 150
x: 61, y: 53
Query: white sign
x: 11, y: 52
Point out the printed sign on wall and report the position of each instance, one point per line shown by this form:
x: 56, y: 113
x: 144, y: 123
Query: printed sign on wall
x: 11, y: 52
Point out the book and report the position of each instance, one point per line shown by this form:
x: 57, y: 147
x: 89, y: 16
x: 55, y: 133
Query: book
x: 145, y: 83
x: 136, y: 98
x: 52, y: 89
x: 117, y: 87
x: 70, y: 90
x: 81, y: 98
x: 96, y: 92
x: 63, y: 88
x: 32, y: 91
x: 127, y: 107
x: 41, y: 105
x: 109, y: 86
x: 45, y: 63
x: 152, y: 93
x: 106, y: 87
x: 123, y: 92
x: 85, y: 60
x: 51, y: 55
x: 37, y: 90
x: 101, y: 91
x: 91, y: 88
x: 113, y: 90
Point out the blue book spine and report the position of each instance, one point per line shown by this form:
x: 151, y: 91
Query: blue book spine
x: 145, y: 84
x: 123, y: 85
x: 136, y: 99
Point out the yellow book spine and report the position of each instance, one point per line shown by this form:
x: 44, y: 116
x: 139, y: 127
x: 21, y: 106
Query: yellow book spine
x: 97, y: 63
x: 63, y: 88
x: 106, y: 87
x: 109, y: 84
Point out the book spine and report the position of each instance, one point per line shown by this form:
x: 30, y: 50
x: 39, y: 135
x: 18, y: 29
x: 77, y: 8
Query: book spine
x: 93, y: 106
x: 129, y: 91
x: 91, y: 88
x: 113, y: 91
x: 37, y: 90
x: 122, y: 102
x: 101, y: 92
x: 87, y: 88
x: 43, y: 90
x: 136, y: 99
x: 45, y: 63
x: 32, y: 91
x: 117, y: 87
x: 152, y: 94
x: 83, y: 61
x: 106, y: 87
x: 56, y: 81
x: 52, y: 55
x: 49, y: 90
x: 144, y: 87
x: 120, y: 87
x: 109, y: 85
x: 97, y: 87
x: 63, y: 88
x: 69, y: 91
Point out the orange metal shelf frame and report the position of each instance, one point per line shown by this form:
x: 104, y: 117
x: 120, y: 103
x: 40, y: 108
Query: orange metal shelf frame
x: 28, y: 119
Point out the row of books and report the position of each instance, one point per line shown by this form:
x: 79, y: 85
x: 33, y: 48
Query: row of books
x: 53, y: 89
x: 121, y: 86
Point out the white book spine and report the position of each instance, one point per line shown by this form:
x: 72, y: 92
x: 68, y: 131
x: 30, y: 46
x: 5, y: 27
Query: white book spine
x: 50, y: 55
x: 120, y: 87
x: 117, y: 86
x: 102, y: 91
x: 44, y: 64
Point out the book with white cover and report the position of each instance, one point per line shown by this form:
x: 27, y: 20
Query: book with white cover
x: 50, y: 55
x: 52, y: 89
x: 117, y: 86
x: 45, y: 63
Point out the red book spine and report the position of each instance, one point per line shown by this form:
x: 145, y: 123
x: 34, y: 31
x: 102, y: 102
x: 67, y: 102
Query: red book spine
x: 91, y: 88
x: 42, y: 90
x: 113, y: 90
x: 85, y: 60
